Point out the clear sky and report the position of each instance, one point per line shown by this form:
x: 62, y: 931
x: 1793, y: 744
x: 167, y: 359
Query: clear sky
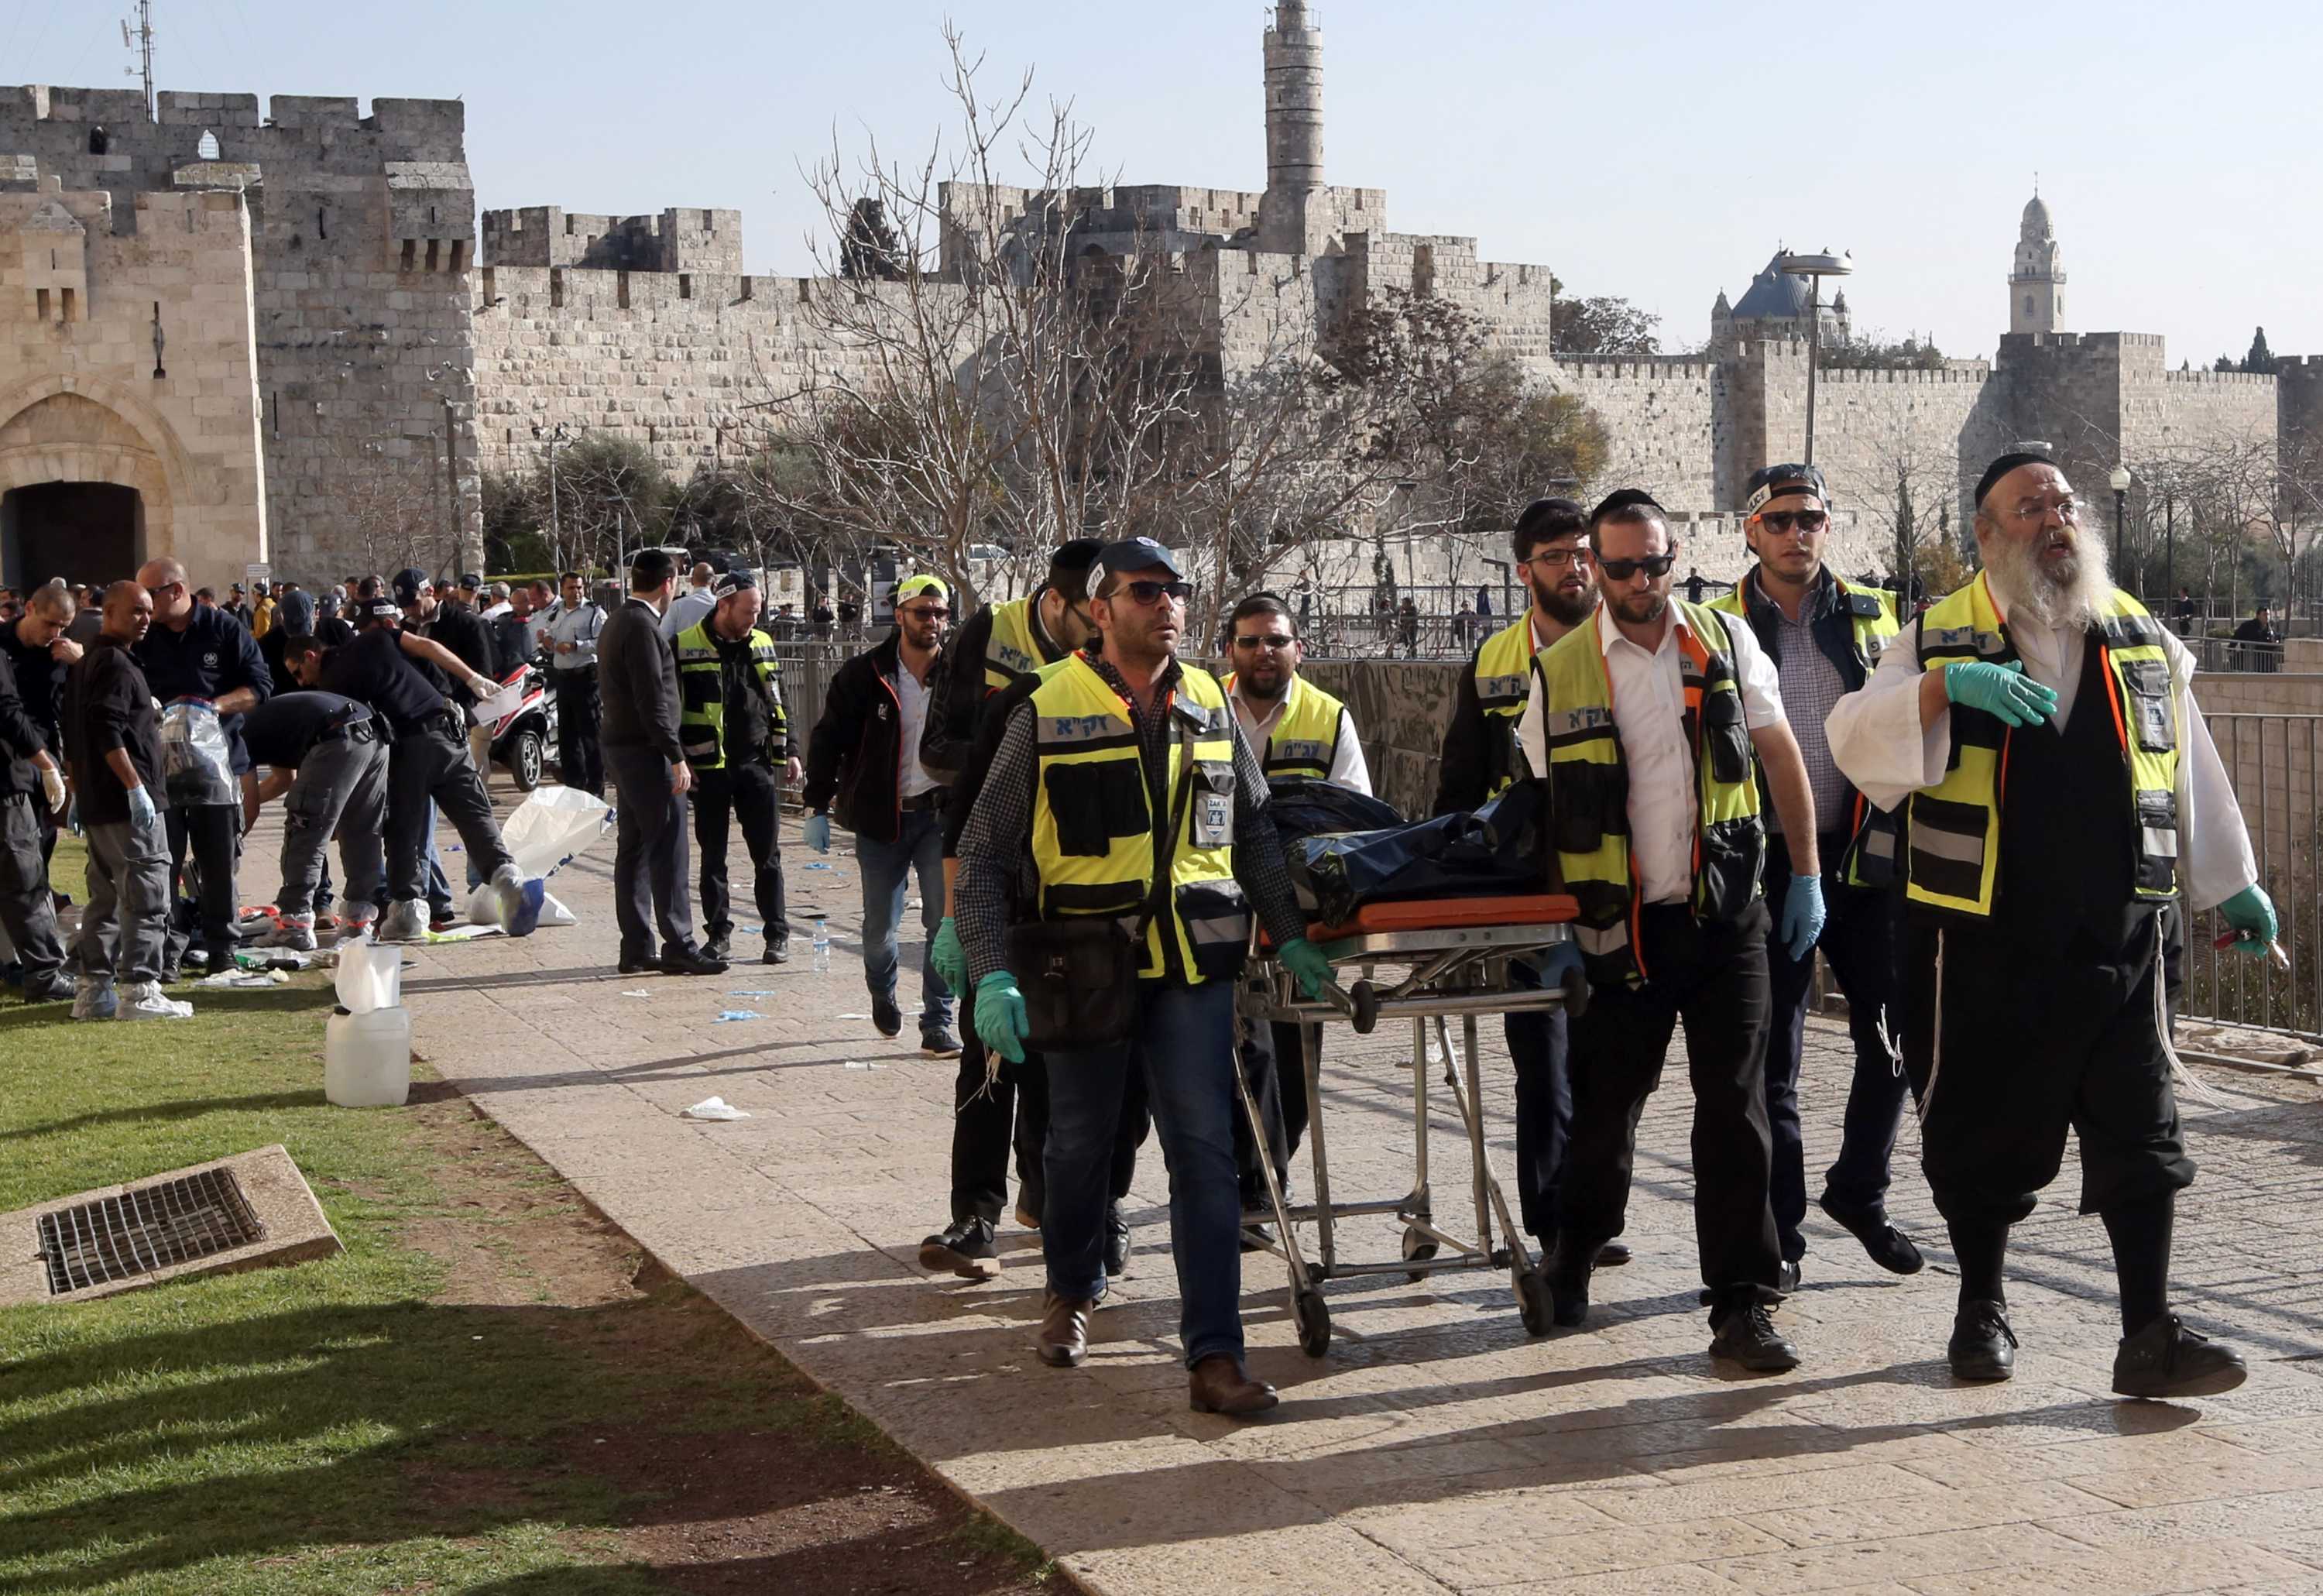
x: 1656, y: 150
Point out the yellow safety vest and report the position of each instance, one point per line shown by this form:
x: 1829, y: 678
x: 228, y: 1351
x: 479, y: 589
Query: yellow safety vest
x: 1589, y: 788
x: 1504, y: 668
x: 702, y: 696
x: 1871, y: 832
x: 1954, y: 856
x: 1013, y: 650
x: 1306, y: 738
x: 1093, y: 822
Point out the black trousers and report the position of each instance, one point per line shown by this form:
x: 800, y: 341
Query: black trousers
x: 2040, y: 1033
x: 752, y: 794
x: 27, y: 907
x: 212, y: 834
x: 430, y: 763
x: 648, y: 856
x: 579, y: 760
x: 1714, y: 977
x: 1011, y: 1111
x: 1858, y: 942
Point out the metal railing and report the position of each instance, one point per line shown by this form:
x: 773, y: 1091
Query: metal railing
x: 2221, y: 654
x: 2276, y: 765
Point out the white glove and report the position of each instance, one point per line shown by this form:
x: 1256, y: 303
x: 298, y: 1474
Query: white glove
x: 141, y: 806
x: 484, y: 687
x: 52, y: 788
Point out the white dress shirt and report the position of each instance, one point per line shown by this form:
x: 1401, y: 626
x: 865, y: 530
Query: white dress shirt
x: 1648, y: 711
x: 1877, y: 741
x: 685, y: 611
x: 912, y: 777
x: 1348, y: 766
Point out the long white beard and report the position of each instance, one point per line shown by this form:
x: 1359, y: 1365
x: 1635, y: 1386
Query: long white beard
x: 2073, y: 597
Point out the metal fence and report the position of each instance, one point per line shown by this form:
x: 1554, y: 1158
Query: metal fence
x: 2219, y: 655
x: 2275, y: 765
x: 807, y: 666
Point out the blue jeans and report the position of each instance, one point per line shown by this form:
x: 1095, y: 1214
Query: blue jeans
x: 888, y: 868
x: 1184, y: 1041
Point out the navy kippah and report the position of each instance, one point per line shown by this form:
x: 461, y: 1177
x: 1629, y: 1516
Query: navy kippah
x: 2001, y: 468
x: 1621, y: 499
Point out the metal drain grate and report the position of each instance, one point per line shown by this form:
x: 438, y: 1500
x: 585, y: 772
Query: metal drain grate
x: 144, y: 1230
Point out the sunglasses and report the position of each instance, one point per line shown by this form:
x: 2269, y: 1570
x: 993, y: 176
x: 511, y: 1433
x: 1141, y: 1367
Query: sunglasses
x: 1783, y: 520
x: 1273, y: 641
x: 928, y: 612
x: 1149, y: 593
x: 1653, y: 565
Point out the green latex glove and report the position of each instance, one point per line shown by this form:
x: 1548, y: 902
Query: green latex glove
x: 1000, y: 1015
x: 949, y: 957
x: 1306, y: 962
x: 2002, y: 689
x: 2252, y: 913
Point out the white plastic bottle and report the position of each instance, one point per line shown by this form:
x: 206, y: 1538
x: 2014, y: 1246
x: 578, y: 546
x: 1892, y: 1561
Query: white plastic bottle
x: 822, y: 945
x: 367, y: 1058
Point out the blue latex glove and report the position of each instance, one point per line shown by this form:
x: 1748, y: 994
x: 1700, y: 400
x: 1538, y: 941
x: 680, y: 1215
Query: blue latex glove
x: 141, y: 806
x: 2252, y: 913
x: 949, y: 957
x: 1557, y: 962
x: 1306, y: 964
x: 2002, y: 689
x: 1000, y: 1015
x: 1803, y: 916
x: 818, y: 832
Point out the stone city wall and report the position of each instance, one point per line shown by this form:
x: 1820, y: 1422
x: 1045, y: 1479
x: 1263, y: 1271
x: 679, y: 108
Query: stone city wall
x: 1661, y: 419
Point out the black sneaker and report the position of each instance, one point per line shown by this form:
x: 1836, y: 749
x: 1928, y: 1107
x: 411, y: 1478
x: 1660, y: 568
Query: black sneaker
x: 1748, y: 1337
x: 939, y: 1044
x: 964, y: 1248
x: 1983, y: 1346
x: 886, y: 1016
x: 719, y: 948
x: 1888, y: 1247
x: 1116, y: 1241
x: 778, y: 950
x: 2165, y: 1359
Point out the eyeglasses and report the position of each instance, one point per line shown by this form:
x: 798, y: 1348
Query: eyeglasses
x: 1149, y: 593
x: 1783, y: 520
x: 1653, y: 565
x: 1558, y: 559
x: 927, y: 611
x: 2033, y: 512
x: 155, y: 593
x: 1273, y: 640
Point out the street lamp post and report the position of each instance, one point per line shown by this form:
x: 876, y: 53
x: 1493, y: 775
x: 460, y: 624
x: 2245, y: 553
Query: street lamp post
x: 1814, y: 269
x: 2120, y: 479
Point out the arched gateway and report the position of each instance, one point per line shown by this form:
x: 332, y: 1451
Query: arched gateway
x: 86, y: 484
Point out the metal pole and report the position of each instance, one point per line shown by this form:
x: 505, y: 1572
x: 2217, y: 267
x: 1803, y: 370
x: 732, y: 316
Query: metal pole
x: 2170, y: 532
x: 555, y: 524
x: 1814, y: 354
x: 2120, y: 520
x: 452, y: 493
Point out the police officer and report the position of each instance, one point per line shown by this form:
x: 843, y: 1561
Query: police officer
x: 570, y: 643
x: 32, y: 786
x: 732, y: 726
x: 1826, y: 636
x: 1551, y: 547
x: 1652, y: 725
x: 197, y: 651
x: 2063, y: 792
x: 1129, y: 724
x: 1296, y: 730
x: 429, y: 767
x: 328, y: 761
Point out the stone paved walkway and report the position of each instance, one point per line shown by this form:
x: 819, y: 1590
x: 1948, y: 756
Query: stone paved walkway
x: 1436, y: 1448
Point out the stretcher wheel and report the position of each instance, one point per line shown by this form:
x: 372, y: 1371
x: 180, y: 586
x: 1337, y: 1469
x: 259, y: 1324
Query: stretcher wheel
x: 1533, y: 1306
x: 1575, y: 987
x: 1314, y: 1324
x: 1366, y: 1000
x: 1417, y: 1249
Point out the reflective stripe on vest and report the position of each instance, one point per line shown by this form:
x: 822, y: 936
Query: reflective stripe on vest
x: 1869, y: 858
x: 1093, y: 820
x: 1589, y: 788
x: 1503, y: 670
x: 1953, y: 857
x: 701, y: 694
x: 1305, y: 740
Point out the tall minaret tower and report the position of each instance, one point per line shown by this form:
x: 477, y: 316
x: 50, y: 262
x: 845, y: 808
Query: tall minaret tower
x: 2036, y: 286
x: 1288, y: 222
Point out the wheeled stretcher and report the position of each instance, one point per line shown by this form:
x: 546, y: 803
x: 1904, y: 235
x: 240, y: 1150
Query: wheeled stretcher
x: 1430, y: 962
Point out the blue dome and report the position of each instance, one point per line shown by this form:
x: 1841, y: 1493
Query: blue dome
x: 1773, y: 295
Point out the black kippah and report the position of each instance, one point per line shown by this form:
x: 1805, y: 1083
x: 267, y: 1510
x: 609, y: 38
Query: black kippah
x: 2001, y: 468
x: 1621, y: 499
x: 1544, y: 518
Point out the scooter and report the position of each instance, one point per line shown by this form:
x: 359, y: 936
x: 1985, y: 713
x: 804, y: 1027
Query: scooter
x: 525, y: 738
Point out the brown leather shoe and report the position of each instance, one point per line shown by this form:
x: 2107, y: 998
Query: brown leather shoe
x: 1219, y: 1386
x: 1064, y: 1330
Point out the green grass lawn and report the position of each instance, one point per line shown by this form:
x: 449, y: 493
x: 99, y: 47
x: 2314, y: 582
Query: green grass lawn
x: 403, y: 1416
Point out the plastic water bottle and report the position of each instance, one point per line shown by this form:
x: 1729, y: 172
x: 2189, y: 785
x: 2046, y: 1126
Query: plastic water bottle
x: 822, y: 945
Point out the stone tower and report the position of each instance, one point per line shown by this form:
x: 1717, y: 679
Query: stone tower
x: 2036, y: 287
x: 1291, y: 217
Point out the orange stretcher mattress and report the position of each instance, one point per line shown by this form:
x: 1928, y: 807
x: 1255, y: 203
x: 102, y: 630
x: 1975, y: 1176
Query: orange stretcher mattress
x: 1435, y: 913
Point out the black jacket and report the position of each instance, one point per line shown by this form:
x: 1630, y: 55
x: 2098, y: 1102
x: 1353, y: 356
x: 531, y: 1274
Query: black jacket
x: 464, y: 632
x: 212, y: 657
x: 855, y: 752
x: 1464, y: 768
x: 40, y: 683
x: 636, y: 681
x: 108, y: 705
x: 21, y: 737
x: 961, y: 696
